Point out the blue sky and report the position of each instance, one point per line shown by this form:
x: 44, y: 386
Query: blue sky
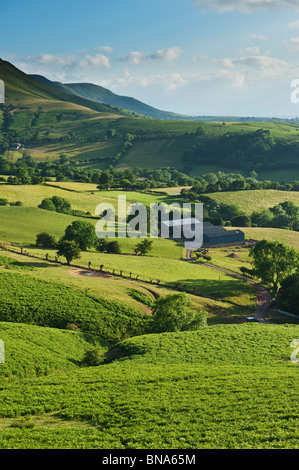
x: 198, y: 57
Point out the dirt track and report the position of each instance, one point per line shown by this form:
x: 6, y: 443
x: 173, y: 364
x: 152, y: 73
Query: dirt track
x: 263, y: 295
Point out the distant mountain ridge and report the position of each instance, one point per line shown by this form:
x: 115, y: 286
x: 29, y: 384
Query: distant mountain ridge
x: 27, y: 90
x: 102, y: 95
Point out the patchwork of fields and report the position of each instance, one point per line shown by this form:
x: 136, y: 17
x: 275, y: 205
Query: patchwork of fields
x: 84, y: 368
x: 229, y: 385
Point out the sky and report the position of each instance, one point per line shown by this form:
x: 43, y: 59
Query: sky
x: 194, y: 57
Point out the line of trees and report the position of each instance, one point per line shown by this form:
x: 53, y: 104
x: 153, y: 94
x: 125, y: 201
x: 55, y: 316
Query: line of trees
x: 80, y: 236
x: 27, y: 171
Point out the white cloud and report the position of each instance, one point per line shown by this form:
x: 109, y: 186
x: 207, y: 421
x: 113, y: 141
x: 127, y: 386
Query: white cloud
x: 250, y: 51
x: 236, y: 79
x: 106, y: 49
x: 246, y: 5
x: 294, y: 25
x: 168, y: 82
x: 262, y: 37
x: 134, y: 57
x: 50, y: 59
x: 169, y: 54
x: 97, y: 60
x: 264, y: 65
x: 227, y: 63
x: 201, y: 57
x: 293, y: 44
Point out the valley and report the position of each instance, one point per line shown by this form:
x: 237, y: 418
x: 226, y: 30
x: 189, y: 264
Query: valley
x: 109, y: 347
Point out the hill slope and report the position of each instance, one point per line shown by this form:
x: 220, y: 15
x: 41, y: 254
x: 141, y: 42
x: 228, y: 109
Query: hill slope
x: 32, y: 351
x: 103, y: 95
x: 21, y: 90
x: 190, y: 395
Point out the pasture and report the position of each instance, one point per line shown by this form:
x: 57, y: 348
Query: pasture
x: 256, y: 200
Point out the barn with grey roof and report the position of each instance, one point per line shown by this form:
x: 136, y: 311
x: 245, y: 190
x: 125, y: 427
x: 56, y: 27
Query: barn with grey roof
x: 213, y: 235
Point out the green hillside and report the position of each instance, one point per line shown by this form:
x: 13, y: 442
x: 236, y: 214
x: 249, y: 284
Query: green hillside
x: 33, y: 351
x: 50, y: 121
x: 103, y: 95
x: 211, y: 389
x: 235, y: 344
x: 33, y: 301
x: 21, y: 91
x: 256, y: 200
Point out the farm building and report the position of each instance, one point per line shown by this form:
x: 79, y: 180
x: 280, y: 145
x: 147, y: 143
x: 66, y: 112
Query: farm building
x: 16, y: 146
x: 213, y: 235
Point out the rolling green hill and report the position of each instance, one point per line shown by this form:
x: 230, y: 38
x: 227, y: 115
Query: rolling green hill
x: 103, y: 95
x: 23, y: 91
x: 32, y: 351
x: 256, y: 200
x: 50, y: 121
x: 52, y: 304
x: 211, y: 389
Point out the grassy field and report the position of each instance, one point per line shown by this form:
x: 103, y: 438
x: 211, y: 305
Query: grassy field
x: 150, y: 153
x: 256, y: 200
x: 78, y: 152
x: 118, y: 289
x: 288, y: 237
x: 82, y: 197
x: 223, y: 387
x: 21, y: 224
x: 53, y: 304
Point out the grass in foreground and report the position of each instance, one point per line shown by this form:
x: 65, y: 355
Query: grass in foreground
x: 223, y: 387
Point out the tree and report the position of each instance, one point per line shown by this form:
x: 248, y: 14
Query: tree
x: 241, y: 221
x: 45, y: 240
x: 62, y: 205
x: 113, y: 247
x: 288, y: 294
x: 173, y: 313
x: 69, y: 249
x: 274, y: 261
x: 262, y: 219
x: 83, y: 233
x: 63, y: 159
x: 101, y: 245
x: 105, y: 180
x: 143, y: 247
x: 47, y: 204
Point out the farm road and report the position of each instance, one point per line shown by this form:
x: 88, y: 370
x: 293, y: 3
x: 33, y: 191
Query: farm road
x: 263, y: 295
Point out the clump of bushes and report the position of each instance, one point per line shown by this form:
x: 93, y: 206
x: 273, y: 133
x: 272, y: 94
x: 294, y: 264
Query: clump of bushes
x: 93, y: 357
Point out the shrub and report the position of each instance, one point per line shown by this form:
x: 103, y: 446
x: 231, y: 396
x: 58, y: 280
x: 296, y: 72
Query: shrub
x: 113, y: 247
x: 93, y: 357
x: 45, y: 240
x: 173, y: 313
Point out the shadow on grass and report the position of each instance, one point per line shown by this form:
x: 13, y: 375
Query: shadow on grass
x: 32, y: 264
x: 213, y: 289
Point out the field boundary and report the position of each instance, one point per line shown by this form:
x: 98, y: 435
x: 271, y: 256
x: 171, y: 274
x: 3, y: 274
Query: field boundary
x: 263, y: 296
